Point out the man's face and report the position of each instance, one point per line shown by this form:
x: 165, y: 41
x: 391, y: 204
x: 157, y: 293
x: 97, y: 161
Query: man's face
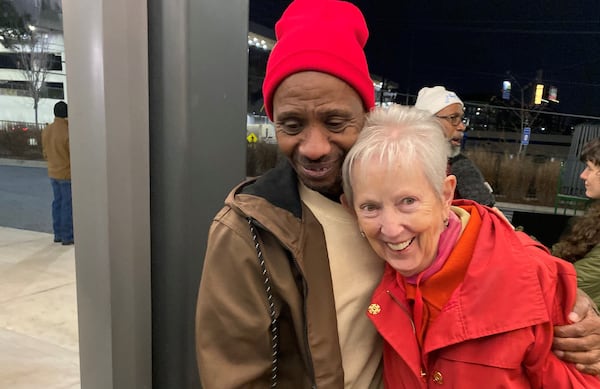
x: 317, y: 120
x: 454, y: 132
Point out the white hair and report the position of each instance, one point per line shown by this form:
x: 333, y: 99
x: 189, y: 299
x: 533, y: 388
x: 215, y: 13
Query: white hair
x: 404, y: 137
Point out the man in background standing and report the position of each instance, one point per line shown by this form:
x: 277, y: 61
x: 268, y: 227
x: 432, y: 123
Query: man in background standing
x: 448, y: 108
x: 55, y: 143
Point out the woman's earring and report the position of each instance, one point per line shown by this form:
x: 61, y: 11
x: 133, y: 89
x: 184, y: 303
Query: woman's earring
x: 362, y: 234
x: 446, y: 222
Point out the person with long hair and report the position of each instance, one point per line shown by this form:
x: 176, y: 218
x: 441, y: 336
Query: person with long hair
x: 581, y: 243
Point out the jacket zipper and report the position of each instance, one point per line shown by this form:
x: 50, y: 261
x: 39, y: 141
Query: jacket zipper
x: 423, y: 372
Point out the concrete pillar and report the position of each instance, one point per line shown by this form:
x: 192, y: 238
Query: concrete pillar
x: 157, y: 106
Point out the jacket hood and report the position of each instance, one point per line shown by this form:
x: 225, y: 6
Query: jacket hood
x: 273, y: 202
x: 278, y: 186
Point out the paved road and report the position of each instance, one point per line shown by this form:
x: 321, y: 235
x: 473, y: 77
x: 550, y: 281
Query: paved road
x: 25, y: 198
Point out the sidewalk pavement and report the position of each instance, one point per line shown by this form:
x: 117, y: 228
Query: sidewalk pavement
x: 38, y: 312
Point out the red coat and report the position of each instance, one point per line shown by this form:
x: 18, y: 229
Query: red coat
x: 496, y: 329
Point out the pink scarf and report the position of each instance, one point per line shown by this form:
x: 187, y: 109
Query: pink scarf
x: 448, y: 239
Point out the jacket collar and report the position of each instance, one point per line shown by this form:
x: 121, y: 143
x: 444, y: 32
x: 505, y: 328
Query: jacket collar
x: 278, y: 186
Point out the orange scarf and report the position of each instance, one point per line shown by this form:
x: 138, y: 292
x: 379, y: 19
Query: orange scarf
x: 435, y: 291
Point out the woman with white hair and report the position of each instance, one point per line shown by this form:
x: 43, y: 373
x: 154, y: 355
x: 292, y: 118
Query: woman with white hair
x: 480, y: 299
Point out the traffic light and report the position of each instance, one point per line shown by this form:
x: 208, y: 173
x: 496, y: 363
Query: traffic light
x: 539, y: 93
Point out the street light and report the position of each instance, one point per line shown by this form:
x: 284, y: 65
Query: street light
x: 524, y: 120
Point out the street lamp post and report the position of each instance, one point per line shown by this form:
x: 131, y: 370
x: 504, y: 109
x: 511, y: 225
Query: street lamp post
x: 522, y: 113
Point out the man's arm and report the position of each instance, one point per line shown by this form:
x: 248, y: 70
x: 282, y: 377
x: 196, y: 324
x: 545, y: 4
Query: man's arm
x: 233, y: 343
x: 579, y: 342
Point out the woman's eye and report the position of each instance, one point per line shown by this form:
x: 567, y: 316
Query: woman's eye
x: 409, y: 201
x: 368, y: 207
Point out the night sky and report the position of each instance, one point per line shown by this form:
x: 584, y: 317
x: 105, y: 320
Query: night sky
x: 469, y: 46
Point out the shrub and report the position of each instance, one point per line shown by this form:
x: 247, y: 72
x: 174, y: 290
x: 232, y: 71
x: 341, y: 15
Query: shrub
x: 546, y: 181
x: 261, y: 157
x: 515, y: 177
x: 518, y: 179
x: 487, y: 162
x: 19, y: 141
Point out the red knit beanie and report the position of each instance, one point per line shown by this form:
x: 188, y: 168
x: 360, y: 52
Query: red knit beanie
x: 321, y: 35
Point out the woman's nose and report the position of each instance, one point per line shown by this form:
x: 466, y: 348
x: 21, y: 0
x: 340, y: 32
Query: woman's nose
x: 391, y: 224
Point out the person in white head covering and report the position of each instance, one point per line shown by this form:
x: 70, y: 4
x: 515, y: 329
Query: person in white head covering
x: 448, y: 108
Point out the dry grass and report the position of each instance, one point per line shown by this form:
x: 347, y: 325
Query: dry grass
x: 260, y: 157
x: 518, y: 179
x: 488, y: 163
x: 546, y: 182
x: 514, y: 179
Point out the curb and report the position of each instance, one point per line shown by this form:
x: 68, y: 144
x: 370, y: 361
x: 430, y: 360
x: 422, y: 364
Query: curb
x: 22, y: 162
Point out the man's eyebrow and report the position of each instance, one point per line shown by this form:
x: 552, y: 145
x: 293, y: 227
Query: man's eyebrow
x: 336, y: 111
x: 287, y: 113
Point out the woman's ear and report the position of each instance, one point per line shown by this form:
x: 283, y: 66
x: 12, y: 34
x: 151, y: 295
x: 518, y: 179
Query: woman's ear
x: 346, y: 205
x: 448, y: 188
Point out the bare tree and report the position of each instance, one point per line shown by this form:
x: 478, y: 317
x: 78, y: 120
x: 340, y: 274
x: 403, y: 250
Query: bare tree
x: 18, y: 35
x: 34, y: 62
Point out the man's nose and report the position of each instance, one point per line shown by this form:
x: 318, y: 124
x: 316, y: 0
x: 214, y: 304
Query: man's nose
x: 315, y: 143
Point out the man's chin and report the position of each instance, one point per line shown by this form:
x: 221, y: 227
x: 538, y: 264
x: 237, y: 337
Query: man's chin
x: 454, y: 151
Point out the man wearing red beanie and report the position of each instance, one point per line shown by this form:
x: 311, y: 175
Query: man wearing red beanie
x: 318, y: 272
x: 287, y: 277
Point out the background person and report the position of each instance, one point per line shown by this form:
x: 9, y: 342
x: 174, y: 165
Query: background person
x: 449, y: 110
x: 473, y: 327
x: 55, y: 146
x: 581, y: 244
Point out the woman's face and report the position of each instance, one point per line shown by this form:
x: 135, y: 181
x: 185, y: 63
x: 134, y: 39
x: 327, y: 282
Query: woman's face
x: 591, y: 178
x: 400, y: 213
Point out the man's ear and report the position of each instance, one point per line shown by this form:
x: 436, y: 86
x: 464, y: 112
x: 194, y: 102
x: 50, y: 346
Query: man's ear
x: 345, y: 204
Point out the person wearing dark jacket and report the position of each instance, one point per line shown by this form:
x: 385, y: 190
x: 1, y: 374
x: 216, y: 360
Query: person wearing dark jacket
x: 286, y: 275
x: 448, y: 108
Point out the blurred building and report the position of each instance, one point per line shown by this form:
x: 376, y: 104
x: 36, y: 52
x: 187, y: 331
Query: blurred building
x: 44, y: 18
